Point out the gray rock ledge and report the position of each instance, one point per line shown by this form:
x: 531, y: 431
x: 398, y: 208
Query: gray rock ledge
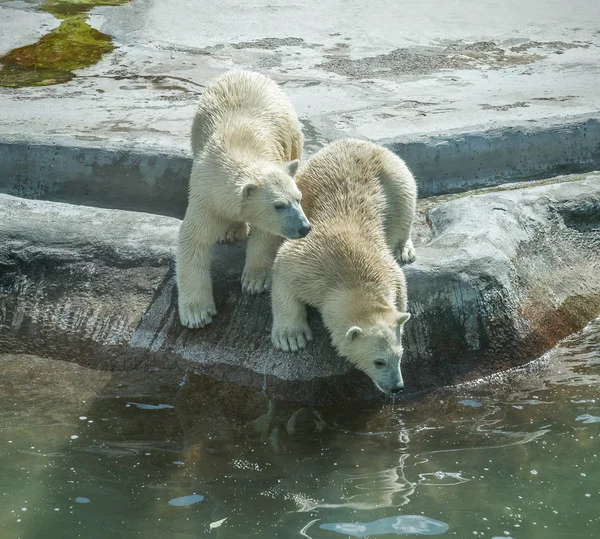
x: 501, y: 276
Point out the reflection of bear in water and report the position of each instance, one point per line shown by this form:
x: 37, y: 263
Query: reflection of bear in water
x: 246, y: 142
x: 260, y: 462
x: 220, y: 417
x: 361, y: 201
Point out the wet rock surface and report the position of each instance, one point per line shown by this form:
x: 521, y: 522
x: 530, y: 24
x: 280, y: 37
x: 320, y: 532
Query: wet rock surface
x: 500, y: 278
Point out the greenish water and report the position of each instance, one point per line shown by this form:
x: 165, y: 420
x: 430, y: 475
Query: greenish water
x: 517, y: 457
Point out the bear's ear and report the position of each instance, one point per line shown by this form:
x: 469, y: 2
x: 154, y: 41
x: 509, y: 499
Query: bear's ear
x: 353, y: 333
x: 247, y: 190
x: 402, y: 319
x: 292, y: 167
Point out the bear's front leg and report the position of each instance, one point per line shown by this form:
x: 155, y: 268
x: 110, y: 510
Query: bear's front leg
x: 260, y: 255
x: 237, y: 231
x: 291, y: 331
x: 194, y: 257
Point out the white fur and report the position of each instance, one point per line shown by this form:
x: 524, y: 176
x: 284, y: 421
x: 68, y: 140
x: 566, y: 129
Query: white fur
x: 246, y: 140
x: 361, y: 201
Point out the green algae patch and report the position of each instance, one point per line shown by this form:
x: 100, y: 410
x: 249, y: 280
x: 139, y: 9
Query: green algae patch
x: 66, y: 8
x: 52, y: 60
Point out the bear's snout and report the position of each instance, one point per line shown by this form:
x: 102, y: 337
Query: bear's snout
x: 397, y: 389
x: 296, y: 224
x: 304, y: 230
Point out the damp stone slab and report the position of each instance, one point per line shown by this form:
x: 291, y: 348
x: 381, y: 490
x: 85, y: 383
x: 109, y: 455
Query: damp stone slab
x: 500, y: 277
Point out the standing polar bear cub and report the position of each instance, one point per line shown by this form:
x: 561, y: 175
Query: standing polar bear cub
x: 246, y: 142
x: 360, y: 199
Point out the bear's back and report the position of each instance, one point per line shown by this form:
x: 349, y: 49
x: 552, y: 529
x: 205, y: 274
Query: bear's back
x: 341, y: 182
x: 343, y: 198
x: 243, y: 94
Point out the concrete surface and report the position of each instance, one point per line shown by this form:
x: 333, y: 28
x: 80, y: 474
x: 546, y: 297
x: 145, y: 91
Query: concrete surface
x: 21, y: 27
x: 394, y: 72
x: 500, y: 278
x: 131, y: 176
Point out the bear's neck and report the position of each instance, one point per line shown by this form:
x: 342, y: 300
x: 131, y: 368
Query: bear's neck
x: 361, y: 306
x: 242, y: 155
x: 235, y: 169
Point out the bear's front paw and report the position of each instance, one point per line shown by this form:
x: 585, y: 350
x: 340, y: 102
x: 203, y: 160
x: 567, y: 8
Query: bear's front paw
x: 196, y: 315
x: 256, y: 281
x: 291, y: 339
x: 236, y: 232
x: 407, y: 253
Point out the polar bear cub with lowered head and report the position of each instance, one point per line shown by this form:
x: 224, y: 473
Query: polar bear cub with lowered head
x: 360, y: 199
x: 246, y: 142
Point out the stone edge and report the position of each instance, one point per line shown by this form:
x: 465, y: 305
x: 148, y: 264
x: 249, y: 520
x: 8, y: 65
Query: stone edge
x: 91, y: 173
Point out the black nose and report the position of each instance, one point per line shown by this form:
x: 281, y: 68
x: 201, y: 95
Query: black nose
x: 397, y: 389
x: 304, y: 230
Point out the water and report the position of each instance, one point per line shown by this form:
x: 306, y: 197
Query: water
x: 513, y: 458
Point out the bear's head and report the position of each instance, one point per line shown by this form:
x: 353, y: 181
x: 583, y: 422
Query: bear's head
x: 272, y: 202
x: 376, y: 349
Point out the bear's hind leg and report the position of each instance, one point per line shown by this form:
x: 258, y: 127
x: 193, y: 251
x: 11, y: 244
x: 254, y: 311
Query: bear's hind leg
x: 291, y: 331
x: 401, y: 197
x: 406, y: 252
x: 398, y: 232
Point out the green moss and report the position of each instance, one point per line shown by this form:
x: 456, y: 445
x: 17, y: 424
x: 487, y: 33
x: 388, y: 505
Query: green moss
x: 52, y: 60
x: 66, y: 8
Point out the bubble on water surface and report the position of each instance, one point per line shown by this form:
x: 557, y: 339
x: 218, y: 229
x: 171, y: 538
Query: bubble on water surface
x: 402, y: 525
x: 185, y: 501
x: 587, y: 418
x: 441, y: 478
x: 471, y: 403
x: 143, y: 406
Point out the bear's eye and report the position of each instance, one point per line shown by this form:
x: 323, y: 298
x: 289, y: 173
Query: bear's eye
x: 379, y: 363
x: 280, y: 207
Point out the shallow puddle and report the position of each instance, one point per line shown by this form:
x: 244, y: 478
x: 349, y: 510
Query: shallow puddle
x: 90, y: 455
